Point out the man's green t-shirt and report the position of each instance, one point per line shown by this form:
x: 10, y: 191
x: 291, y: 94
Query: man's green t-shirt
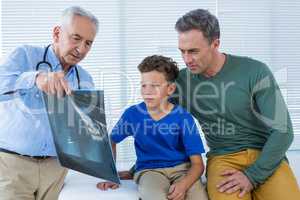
x: 240, y: 107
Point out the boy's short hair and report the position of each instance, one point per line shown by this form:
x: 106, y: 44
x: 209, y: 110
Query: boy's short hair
x: 162, y: 64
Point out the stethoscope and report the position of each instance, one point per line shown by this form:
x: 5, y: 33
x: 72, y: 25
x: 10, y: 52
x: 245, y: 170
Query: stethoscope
x: 45, y: 62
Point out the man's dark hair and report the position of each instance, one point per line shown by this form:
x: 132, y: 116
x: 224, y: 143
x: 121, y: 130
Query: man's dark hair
x: 161, y: 64
x: 201, y: 20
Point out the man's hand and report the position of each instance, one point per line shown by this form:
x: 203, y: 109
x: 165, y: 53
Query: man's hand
x: 125, y: 175
x: 235, y: 180
x: 53, y: 83
x: 107, y: 185
x: 177, y: 191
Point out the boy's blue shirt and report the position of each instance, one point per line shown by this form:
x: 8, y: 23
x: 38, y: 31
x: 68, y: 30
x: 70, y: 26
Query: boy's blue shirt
x: 162, y: 143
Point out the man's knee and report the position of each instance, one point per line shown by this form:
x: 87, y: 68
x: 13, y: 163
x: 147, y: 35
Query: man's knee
x: 281, y: 185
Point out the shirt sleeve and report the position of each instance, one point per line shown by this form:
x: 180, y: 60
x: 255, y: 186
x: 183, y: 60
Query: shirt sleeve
x: 191, y: 137
x: 15, y: 72
x: 273, y: 112
x: 122, y: 129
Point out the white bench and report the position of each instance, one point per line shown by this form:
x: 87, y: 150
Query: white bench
x: 79, y: 186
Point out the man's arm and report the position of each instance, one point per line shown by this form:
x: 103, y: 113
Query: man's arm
x: 15, y: 72
x: 273, y: 112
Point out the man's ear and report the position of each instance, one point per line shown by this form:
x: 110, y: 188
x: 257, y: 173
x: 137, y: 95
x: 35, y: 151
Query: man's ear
x: 215, y: 43
x: 171, y: 88
x: 56, y: 33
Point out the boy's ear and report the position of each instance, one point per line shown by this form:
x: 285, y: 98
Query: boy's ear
x: 171, y: 88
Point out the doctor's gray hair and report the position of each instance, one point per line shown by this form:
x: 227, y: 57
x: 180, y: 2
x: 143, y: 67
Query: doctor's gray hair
x: 70, y: 12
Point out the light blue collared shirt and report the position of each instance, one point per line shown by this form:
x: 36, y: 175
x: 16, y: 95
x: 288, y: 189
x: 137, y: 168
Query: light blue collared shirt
x: 24, y: 124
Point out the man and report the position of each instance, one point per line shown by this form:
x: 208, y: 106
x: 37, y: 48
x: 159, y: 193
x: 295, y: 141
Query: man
x: 28, y: 165
x: 241, y: 110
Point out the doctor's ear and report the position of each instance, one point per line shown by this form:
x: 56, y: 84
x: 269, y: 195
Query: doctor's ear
x: 56, y: 33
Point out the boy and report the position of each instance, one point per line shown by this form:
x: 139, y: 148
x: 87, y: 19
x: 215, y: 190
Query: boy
x: 167, y: 143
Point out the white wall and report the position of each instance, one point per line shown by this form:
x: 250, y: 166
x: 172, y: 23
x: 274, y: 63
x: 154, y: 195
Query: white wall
x: 0, y: 29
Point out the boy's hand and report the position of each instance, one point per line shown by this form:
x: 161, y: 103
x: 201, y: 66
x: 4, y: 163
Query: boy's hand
x: 107, y: 185
x: 177, y: 191
x: 125, y: 175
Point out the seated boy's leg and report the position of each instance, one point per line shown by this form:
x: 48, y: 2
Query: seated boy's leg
x: 216, y: 165
x: 197, y: 192
x: 152, y: 185
x: 281, y: 185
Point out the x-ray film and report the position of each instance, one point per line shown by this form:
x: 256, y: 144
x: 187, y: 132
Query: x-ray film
x: 80, y: 135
